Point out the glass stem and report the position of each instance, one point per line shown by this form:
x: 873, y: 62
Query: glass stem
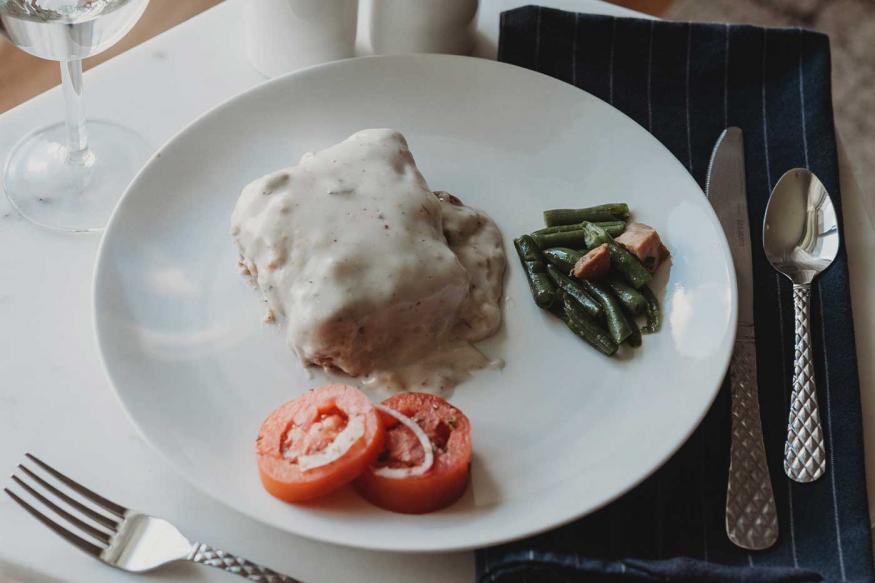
x: 77, y: 138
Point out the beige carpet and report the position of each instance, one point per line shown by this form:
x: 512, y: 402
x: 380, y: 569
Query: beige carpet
x: 850, y: 25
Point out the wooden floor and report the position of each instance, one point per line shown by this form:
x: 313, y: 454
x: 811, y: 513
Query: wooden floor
x: 22, y: 76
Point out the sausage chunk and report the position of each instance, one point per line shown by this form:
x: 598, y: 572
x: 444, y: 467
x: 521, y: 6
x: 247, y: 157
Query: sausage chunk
x: 594, y: 264
x: 643, y: 242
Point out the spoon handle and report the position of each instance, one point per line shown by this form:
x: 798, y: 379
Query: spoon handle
x: 804, y: 452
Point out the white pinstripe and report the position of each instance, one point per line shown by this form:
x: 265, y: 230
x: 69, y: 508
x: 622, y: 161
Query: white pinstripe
x: 726, y: 79
x: 689, y: 130
x: 574, y: 50
x: 538, y: 39
x: 501, y: 20
x: 702, y: 486
x: 659, y: 516
x: 792, y: 522
x: 802, y: 99
x: 611, y: 62
x: 649, y: 79
x: 765, y: 119
x: 618, y: 524
x: 832, y: 471
x: 786, y: 404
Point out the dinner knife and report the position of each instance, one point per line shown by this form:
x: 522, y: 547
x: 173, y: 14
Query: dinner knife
x: 751, y: 518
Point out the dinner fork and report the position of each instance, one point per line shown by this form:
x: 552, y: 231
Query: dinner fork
x: 121, y: 537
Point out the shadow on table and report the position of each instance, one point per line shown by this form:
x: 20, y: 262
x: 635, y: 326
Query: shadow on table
x: 10, y: 573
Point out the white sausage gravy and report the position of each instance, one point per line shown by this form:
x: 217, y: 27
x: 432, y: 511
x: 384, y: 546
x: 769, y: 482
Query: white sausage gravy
x: 375, y: 275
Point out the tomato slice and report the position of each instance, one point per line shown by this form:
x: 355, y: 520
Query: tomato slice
x: 318, y: 442
x: 450, y: 434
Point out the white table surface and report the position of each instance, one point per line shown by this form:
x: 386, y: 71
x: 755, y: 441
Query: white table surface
x: 56, y: 402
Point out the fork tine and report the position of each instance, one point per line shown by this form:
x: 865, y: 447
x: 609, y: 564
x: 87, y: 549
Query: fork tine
x: 109, y: 505
x: 90, y: 513
x: 83, y: 544
x: 98, y: 534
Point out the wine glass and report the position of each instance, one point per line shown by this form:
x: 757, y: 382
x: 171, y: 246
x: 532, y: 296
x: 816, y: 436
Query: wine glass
x: 68, y: 176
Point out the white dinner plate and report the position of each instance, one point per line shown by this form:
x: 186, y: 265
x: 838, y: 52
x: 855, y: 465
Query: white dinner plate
x: 559, y: 432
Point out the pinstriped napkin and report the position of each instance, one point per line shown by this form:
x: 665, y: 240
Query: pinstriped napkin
x: 685, y: 83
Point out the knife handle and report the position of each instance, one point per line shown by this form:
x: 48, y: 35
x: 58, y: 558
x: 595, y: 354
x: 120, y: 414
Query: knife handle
x: 805, y: 451
x: 751, y: 518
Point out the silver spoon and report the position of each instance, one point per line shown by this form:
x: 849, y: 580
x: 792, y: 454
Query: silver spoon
x: 801, y: 239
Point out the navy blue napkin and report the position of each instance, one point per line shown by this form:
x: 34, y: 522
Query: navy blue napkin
x: 685, y: 83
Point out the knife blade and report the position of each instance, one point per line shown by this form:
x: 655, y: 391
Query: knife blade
x: 751, y: 517
x: 726, y: 191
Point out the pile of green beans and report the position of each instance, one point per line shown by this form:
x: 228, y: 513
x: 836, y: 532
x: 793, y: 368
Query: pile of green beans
x: 603, y: 313
x: 621, y: 260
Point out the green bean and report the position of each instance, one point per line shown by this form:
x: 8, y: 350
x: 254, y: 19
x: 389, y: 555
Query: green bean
x: 614, y: 228
x: 634, y: 340
x: 573, y: 289
x: 557, y: 229
x: 557, y: 308
x: 618, y: 324
x: 629, y: 266
x: 602, y: 212
x: 563, y: 258
x: 581, y: 324
x: 527, y: 249
x: 542, y: 287
x: 631, y: 298
x: 621, y: 259
x: 594, y: 237
x: 654, y: 314
x: 575, y: 238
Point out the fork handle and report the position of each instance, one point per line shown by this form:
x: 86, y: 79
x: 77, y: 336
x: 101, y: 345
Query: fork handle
x: 213, y: 557
x: 805, y: 451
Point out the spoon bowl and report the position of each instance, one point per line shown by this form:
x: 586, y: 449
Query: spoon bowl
x: 800, y: 234
x: 801, y: 239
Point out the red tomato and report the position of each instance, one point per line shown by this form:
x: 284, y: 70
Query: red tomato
x: 450, y: 434
x: 318, y: 442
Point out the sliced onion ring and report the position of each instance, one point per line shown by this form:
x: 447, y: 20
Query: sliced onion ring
x: 342, y: 443
x: 427, y: 461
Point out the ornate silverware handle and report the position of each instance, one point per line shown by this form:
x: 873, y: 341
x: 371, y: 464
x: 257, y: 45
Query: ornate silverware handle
x: 751, y: 518
x: 212, y: 557
x: 804, y: 452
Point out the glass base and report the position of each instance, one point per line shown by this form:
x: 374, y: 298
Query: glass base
x: 56, y: 189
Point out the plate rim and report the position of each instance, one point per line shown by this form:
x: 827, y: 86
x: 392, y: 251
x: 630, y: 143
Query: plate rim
x: 487, y: 541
